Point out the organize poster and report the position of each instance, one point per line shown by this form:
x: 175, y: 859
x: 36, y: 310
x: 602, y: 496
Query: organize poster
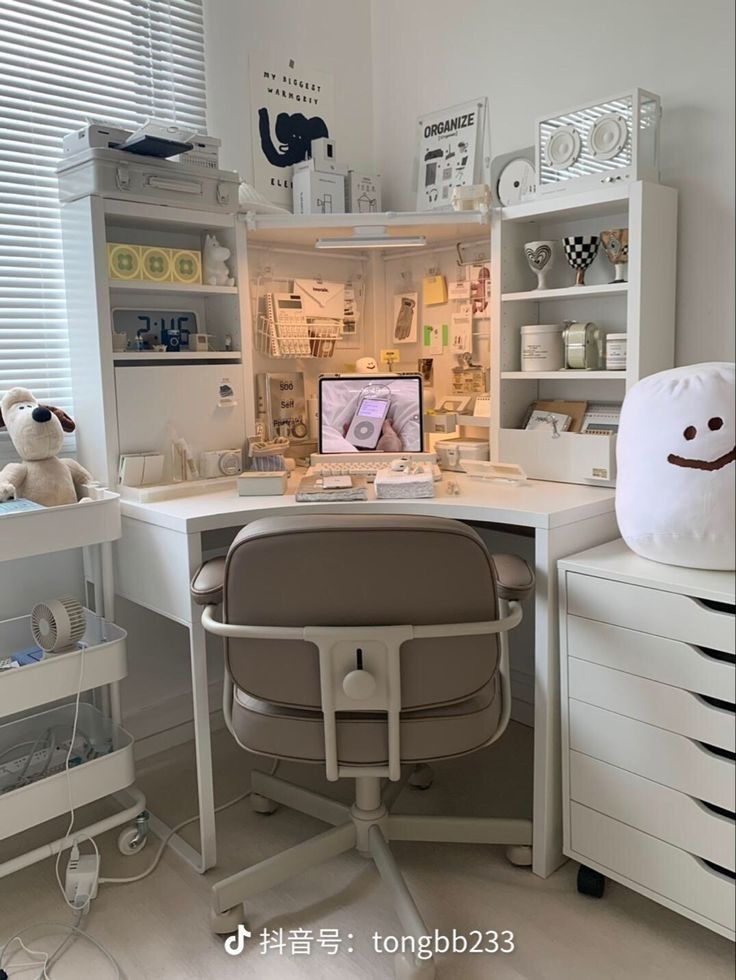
x: 290, y: 106
x: 451, y: 151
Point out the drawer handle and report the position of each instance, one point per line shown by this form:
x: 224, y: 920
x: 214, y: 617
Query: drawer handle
x: 719, y: 606
x: 717, y: 750
x: 712, y: 654
x: 719, y: 810
x: 172, y: 184
x: 715, y: 869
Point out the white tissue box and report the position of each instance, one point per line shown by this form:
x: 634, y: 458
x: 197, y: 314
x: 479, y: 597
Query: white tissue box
x: 395, y: 485
x: 262, y: 483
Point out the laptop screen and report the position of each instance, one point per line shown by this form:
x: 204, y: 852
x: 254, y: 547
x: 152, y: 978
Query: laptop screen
x: 370, y: 413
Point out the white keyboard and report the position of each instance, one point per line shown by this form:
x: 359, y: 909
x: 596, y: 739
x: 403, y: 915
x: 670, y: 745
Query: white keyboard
x: 363, y: 467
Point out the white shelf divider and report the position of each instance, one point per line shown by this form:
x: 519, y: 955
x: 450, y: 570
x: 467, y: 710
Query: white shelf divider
x: 195, y: 289
x: 563, y: 376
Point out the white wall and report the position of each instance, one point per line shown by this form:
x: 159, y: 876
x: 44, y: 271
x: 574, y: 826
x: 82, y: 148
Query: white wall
x: 538, y: 57
x: 327, y: 35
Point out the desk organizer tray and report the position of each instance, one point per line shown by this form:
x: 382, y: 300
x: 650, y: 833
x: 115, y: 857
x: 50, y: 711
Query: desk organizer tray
x: 57, y: 675
x: 111, y: 771
x: 40, y: 532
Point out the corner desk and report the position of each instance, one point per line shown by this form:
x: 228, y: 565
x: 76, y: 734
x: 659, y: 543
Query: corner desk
x: 163, y: 543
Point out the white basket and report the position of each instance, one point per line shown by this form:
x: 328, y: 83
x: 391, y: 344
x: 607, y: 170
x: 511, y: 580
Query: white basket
x: 39, y: 532
x: 57, y: 676
x: 48, y: 797
x: 318, y: 338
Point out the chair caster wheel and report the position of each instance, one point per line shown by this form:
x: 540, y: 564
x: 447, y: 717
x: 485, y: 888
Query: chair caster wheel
x: 131, y: 840
x: 407, y: 968
x: 591, y: 882
x: 261, y: 804
x: 520, y: 855
x: 224, y: 923
x: 422, y: 777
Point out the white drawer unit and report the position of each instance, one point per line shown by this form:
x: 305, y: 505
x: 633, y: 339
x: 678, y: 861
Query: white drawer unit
x: 647, y: 685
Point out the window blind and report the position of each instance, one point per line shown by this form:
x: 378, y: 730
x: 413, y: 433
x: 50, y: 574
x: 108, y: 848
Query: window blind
x: 63, y: 62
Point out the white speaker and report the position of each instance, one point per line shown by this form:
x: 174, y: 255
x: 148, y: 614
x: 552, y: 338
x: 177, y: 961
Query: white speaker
x: 58, y: 624
x: 599, y: 143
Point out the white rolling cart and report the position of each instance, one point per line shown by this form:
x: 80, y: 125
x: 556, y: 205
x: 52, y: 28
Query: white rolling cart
x: 44, y: 688
x: 647, y: 684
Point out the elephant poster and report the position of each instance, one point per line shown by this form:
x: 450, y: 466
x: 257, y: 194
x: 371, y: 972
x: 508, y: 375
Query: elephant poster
x: 290, y: 106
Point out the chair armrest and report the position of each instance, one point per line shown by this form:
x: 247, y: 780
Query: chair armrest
x: 207, y: 583
x: 514, y: 577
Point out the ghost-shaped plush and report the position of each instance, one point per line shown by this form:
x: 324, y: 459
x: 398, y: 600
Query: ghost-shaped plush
x: 675, y: 460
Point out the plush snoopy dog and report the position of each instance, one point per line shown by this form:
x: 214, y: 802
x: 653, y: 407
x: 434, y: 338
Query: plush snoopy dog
x: 37, y: 432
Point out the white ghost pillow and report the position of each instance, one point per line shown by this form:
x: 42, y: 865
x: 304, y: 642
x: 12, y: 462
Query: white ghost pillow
x: 675, y: 459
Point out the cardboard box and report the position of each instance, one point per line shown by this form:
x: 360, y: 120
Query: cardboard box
x: 362, y: 192
x: 318, y: 191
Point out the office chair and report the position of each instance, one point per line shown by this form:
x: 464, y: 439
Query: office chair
x: 361, y: 643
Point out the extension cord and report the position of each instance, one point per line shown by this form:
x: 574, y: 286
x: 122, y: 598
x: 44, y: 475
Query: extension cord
x: 82, y: 875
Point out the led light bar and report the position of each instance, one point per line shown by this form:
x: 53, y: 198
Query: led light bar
x: 374, y: 237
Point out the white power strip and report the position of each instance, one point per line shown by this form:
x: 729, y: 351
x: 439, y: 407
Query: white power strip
x: 82, y: 875
x: 9, y: 771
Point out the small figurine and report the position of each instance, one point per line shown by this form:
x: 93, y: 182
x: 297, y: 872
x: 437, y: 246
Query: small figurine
x: 214, y: 261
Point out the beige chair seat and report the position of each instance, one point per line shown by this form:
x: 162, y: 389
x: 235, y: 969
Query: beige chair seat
x: 362, y: 739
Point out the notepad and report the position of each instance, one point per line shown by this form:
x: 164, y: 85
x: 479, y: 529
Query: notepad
x: 434, y: 290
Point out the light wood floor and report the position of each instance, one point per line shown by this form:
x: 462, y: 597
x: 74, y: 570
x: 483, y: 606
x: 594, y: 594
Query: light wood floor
x: 158, y: 928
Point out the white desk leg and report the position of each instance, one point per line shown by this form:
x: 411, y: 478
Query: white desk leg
x: 203, y: 746
x: 551, y: 545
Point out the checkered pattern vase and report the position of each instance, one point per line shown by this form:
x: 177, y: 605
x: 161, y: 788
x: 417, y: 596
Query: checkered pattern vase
x: 580, y: 250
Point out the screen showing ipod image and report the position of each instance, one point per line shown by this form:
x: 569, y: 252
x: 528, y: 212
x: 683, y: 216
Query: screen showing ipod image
x: 381, y: 413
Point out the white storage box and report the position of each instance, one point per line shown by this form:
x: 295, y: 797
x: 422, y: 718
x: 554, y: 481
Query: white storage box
x: 258, y: 483
x: 572, y: 457
x: 452, y: 452
x: 109, y: 773
x: 129, y: 177
x: 317, y: 191
x: 57, y: 676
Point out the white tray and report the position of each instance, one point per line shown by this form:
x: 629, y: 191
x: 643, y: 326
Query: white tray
x: 57, y: 676
x: 40, y: 532
x: 47, y: 798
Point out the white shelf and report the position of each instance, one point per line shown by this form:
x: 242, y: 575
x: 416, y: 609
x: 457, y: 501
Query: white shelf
x: 197, y: 289
x: 563, y: 376
x: 564, y: 205
x: 567, y: 292
x: 135, y: 214
x: 304, y: 229
x: 57, y: 676
x: 40, y: 532
x: 158, y: 357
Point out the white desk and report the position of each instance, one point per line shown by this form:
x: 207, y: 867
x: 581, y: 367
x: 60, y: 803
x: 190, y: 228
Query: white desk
x: 163, y: 543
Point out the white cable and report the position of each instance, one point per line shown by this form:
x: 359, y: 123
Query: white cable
x: 174, y: 830
x: 76, y: 930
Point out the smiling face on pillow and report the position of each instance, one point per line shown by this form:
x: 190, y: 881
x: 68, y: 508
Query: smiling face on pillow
x: 677, y: 465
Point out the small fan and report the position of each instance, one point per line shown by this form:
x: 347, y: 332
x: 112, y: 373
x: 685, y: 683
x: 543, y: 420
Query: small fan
x: 58, y: 625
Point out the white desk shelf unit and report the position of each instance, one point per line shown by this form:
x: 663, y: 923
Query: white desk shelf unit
x: 98, y: 668
x: 643, y: 308
x: 647, y: 685
x: 102, y: 388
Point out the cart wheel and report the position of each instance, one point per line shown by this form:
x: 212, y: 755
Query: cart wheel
x: 131, y: 840
x: 422, y: 777
x: 227, y: 922
x: 261, y: 804
x: 519, y: 854
x: 591, y: 882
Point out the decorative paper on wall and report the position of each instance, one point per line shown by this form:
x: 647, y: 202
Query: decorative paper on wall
x: 451, y: 153
x: 405, y: 318
x: 480, y: 288
x: 290, y: 106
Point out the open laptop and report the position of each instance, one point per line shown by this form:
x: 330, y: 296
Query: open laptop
x: 367, y: 421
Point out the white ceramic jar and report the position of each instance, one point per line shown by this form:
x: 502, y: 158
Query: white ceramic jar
x: 616, y: 344
x: 541, y: 347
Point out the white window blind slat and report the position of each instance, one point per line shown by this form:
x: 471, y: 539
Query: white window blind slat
x: 63, y: 62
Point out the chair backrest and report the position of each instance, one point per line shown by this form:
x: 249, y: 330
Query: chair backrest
x: 352, y: 570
